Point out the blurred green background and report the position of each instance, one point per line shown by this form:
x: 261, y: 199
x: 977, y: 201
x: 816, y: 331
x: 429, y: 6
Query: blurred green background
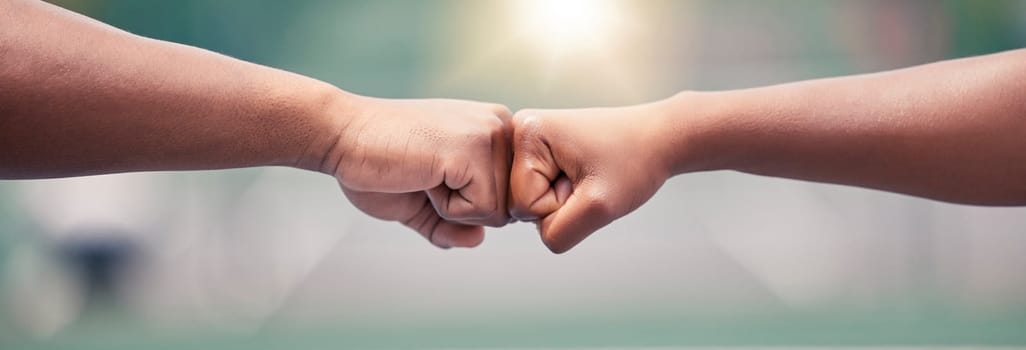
x: 275, y: 258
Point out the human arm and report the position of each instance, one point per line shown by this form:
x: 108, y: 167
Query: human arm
x: 952, y: 131
x: 78, y: 97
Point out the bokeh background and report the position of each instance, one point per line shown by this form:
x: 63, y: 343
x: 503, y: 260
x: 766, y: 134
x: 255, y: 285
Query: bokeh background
x: 276, y: 258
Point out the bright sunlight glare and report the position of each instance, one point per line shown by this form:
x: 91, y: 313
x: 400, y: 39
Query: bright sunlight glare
x: 562, y: 25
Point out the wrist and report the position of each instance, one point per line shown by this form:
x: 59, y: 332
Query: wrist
x: 698, y: 125
x: 331, y: 110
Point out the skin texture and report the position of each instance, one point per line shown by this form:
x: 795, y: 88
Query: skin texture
x: 953, y: 131
x: 440, y: 167
x: 78, y: 97
x: 575, y: 171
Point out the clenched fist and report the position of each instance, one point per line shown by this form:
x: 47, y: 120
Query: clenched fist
x: 440, y: 167
x: 575, y: 171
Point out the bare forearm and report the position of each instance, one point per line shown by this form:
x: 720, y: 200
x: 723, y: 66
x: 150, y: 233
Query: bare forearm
x: 78, y: 97
x: 953, y: 131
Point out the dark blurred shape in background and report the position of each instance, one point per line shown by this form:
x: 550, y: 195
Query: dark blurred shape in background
x: 100, y: 265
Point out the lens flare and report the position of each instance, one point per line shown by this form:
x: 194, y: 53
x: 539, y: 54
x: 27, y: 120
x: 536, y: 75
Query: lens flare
x: 559, y: 26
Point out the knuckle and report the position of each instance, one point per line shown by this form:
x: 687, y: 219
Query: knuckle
x: 468, y: 211
x: 422, y: 222
x: 527, y: 127
x: 450, y: 214
x: 520, y: 211
x: 498, y: 219
x: 482, y: 137
x: 526, y: 117
x: 500, y: 110
x: 493, y: 124
x: 555, y: 244
x: 597, y: 202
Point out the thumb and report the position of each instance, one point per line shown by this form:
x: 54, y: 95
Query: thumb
x: 415, y: 211
x: 588, y: 208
